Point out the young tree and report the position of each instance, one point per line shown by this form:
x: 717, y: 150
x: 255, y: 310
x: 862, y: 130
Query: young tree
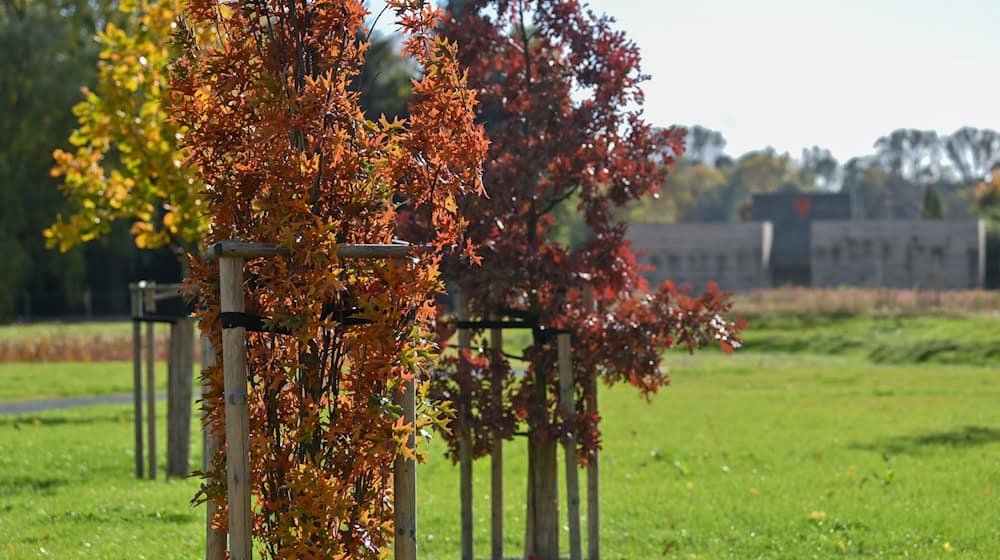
x: 560, y: 97
x: 276, y: 131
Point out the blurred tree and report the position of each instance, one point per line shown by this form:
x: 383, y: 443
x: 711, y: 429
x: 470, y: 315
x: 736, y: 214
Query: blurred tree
x: 877, y: 193
x: 48, y: 54
x: 385, y: 82
x: 972, y: 153
x: 914, y: 155
x: 704, y: 145
x: 765, y: 171
x: 988, y: 196
x: 932, y: 209
x: 127, y: 165
x: 819, y: 168
x: 697, y: 191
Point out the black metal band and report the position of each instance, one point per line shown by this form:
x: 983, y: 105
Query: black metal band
x: 253, y: 323
x: 517, y: 314
x: 496, y: 324
x: 158, y: 319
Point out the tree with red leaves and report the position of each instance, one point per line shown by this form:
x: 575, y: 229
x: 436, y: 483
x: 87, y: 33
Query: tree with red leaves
x: 267, y: 100
x: 560, y: 97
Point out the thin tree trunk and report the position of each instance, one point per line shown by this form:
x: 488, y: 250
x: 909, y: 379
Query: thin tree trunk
x: 543, y: 507
x: 542, y: 533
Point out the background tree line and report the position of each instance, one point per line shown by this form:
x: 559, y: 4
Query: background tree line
x: 910, y: 174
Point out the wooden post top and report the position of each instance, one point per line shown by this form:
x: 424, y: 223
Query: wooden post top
x: 233, y: 248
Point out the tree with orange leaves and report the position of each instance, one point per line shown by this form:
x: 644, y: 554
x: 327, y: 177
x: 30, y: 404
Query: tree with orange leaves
x: 275, y: 128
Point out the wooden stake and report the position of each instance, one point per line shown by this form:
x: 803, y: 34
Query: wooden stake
x: 405, y: 482
x: 179, y: 396
x: 567, y: 403
x: 137, y: 380
x: 234, y: 365
x: 496, y: 460
x: 150, y: 305
x: 593, y: 476
x: 215, y: 541
x: 593, y: 486
x: 465, y: 447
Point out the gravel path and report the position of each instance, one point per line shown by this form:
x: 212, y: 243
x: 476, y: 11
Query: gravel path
x: 45, y: 405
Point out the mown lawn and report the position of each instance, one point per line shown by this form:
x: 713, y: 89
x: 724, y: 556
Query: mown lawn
x: 889, y: 339
x: 752, y: 456
x: 22, y: 381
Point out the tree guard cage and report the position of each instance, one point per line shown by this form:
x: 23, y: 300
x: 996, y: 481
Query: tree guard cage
x: 519, y: 319
x: 153, y: 303
x: 235, y: 325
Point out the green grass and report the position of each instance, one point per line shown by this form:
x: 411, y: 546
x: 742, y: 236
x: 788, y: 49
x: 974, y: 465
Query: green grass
x: 890, y: 339
x: 67, y: 490
x: 750, y: 456
x: 29, y: 381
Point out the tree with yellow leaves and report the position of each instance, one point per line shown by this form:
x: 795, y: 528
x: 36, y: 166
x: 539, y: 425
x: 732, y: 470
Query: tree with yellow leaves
x: 127, y: 164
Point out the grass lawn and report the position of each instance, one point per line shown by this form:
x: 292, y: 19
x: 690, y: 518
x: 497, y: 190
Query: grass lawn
x: 880, y: 339
x: 750, y: 456
x: 22, y: 381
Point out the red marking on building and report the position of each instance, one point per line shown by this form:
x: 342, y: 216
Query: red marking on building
x: 802, y: 206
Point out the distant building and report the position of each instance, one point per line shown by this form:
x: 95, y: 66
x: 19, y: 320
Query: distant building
x: 791, y: 215
x: 811, y: 240
x: 736, y: 256
x: 929, y: 254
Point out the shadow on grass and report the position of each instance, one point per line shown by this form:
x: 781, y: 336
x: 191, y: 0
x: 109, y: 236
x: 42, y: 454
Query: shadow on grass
x: 17, y: 422
x: 119, y: 514
x: 18, y: 485
x: 969, y: 436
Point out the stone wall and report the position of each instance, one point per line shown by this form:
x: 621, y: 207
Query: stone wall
x: 931, y: 254
x: 736, y: 256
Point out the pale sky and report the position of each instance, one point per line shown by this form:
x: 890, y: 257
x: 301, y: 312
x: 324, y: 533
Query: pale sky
x: 796, y: 73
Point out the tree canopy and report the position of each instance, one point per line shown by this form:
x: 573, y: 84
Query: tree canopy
x: 127, y: 164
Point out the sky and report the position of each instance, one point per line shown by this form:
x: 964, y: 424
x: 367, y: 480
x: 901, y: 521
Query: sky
x: 833, y: 73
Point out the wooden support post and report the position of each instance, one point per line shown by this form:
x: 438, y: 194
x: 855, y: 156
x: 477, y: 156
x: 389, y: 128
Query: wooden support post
x: 149, y: 304
x: 496, y: 459
x: 593, y: 478
x: 405, y: 481
x: 179, y: 396
x: 593, y: 486
x: 215, y: 541
x: 465, y: 446
x: 567, y: 404
x: 234, y: 366
x: 137, y: 380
